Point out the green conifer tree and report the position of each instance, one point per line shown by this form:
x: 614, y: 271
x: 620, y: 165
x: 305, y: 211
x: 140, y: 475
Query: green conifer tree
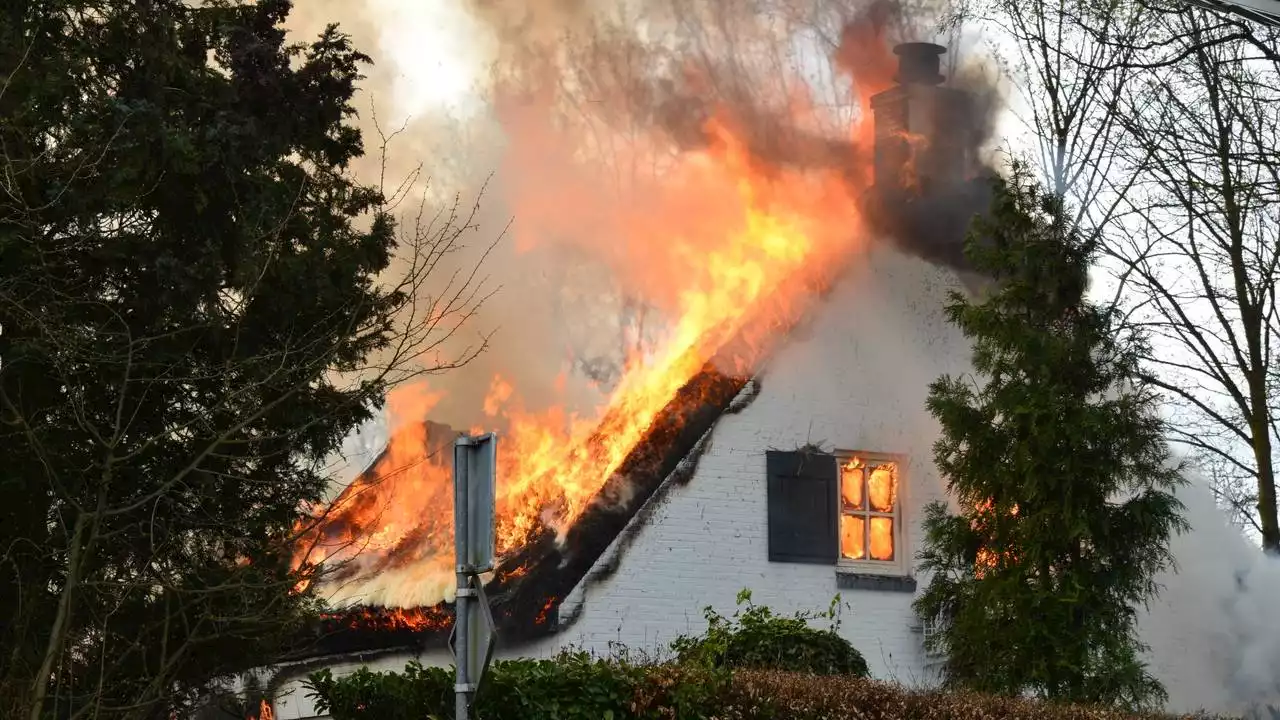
x: 1055, y: 456
x: 195, y: 309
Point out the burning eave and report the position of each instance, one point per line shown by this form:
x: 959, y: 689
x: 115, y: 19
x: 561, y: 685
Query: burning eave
x: 527, y: 591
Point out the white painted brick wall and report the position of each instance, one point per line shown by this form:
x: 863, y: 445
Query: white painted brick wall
x: 855, y: 379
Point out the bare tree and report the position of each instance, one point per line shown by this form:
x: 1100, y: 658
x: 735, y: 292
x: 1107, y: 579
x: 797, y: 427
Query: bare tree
x: 1200, y: 261
x: 1116, y: 94
x: 1069, y: 64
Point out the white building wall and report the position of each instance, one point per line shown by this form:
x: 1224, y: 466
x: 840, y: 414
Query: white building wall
x: 856, y: 378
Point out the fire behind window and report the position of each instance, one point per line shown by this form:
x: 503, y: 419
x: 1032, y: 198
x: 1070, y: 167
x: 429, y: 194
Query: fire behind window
x: 868, y: 509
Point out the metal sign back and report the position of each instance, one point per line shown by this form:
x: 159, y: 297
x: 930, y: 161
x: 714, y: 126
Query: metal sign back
x: 475, y: 463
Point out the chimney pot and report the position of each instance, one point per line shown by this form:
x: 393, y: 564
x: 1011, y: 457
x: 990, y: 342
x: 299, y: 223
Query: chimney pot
x: 919, y: 63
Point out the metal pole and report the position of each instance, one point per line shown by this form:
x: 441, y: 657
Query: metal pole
x: 474, y: 483
x: 462, y: 684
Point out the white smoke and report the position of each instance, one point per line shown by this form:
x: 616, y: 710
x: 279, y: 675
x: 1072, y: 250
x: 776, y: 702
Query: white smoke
x: 1214, y: 631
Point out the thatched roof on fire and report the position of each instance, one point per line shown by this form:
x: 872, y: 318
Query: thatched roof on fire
x: 528, y: 589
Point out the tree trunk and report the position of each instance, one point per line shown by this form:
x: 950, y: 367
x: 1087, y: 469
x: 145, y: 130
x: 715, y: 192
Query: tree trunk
x: 57, y: 634
x: 1267, y: 515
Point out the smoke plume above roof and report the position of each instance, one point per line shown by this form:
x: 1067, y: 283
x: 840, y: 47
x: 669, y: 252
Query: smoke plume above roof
x: 579, y: 109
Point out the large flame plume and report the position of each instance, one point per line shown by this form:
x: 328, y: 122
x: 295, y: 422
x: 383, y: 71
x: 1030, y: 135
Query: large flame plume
x: 748, y: 204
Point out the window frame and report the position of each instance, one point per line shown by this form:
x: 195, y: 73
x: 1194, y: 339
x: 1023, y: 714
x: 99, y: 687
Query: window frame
x: 898, y: 565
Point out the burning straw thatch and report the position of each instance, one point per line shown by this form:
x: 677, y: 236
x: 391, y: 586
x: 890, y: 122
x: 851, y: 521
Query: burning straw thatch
x: 527, y: 590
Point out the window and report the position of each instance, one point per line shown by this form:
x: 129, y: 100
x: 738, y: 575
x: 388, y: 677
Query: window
x: 869, y: 528
x: 839, y: 509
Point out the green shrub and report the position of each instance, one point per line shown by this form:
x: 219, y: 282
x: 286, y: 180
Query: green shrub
x: 572, y: 686
x: 410, y: 695
x: 756, y: 638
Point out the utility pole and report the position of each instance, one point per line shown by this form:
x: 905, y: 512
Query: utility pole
x: 474, y: 634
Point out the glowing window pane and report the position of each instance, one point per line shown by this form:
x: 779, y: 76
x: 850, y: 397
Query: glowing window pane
x: 853, y: 537
x: 852, y: 477
x: 881, y: 538
x: 883, y: 487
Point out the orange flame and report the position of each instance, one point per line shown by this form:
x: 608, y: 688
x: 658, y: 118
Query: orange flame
x: 741, y: 246
x: 545, y: 611
x: 265, y: 712
x: 989, y: 559
x: 914, y: 145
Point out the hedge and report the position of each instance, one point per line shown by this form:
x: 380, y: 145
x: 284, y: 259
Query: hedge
x: 752, y: 666
x: 574, y: 686
x: 578, y: 687
x: 774, y: 695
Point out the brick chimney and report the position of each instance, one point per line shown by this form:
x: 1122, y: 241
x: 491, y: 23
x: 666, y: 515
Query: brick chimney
x: 920, y: 117
x: 929, y: 183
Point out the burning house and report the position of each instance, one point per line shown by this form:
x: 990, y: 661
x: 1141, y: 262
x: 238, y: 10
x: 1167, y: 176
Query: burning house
x: 787, y: 451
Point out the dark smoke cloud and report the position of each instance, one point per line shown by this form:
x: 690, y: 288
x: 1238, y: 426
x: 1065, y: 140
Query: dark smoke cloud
x: 933, y: 226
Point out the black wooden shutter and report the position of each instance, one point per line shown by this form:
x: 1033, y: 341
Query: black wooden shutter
x: 803, y: 518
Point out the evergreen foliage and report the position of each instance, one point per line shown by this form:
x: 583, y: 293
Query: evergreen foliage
x: 185, y: 265
x: 1057, y: 460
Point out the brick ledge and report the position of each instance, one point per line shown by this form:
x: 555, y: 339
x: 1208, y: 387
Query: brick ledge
x: 853, y: 580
